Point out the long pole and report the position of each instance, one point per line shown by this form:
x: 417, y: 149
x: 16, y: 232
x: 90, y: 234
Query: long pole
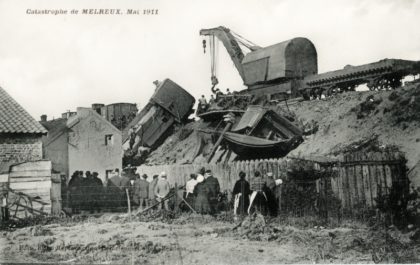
x: 131, y: 224
x: 213, y: 150
x: 153, y: 206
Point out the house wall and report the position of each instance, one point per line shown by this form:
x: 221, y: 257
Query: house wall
x: 57, y: 152
x: 86, y: 145
x: 17, y: 148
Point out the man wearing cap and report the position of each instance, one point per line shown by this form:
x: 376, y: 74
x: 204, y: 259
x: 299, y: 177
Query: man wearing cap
x: 162, y: 189
x: 141, y: 191
x: 152, y: 185
x: 270, y: 181
x: 201, y: 193
x: 98, y: 191
x: 114, y: 193
x: 125, y: 185
x: 202, y: 104
x: 269, y: 192
x: 214, y: 189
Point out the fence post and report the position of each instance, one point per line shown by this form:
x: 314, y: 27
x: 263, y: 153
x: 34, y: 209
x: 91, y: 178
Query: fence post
x: 131, y: 224
x: 176, y: 197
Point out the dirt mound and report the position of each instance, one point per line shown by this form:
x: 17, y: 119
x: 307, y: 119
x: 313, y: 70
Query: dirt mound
x: 363, y: 121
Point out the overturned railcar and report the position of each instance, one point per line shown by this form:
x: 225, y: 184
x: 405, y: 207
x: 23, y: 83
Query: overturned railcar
x: 263, y: 133
x: 169, y: 105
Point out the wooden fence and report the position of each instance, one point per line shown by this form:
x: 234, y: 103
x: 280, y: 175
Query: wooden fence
x: 355, y: 179
x: 363, y: 176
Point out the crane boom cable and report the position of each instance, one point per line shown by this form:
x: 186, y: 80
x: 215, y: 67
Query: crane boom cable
x: 243, y: 40
x: 214, y: 51
x: 216, y: 57
x: 212, y: 56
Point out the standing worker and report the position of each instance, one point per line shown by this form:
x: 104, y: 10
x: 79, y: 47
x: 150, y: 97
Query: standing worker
x: 241, y: 192
x: 141, y: 191
x: 162, y: 189
x: 114, y: 192
x: 74, y: 185
x: 201, y: 192
x: 152, y: 196
x: 258, y: 200
x: 97, y: 191
x: 125, y: 185
x: 214, y: 189
x: 269, y: 192
x: 202, y: 105
x: 189, y: 189
x: 277, y: 193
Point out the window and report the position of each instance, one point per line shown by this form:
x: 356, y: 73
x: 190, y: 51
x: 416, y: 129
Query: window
x: 109, y: 139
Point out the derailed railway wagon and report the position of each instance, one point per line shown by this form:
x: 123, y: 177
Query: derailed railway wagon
x: 169, y: 105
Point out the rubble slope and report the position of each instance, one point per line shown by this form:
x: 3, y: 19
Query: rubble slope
x: 363, y: 120
x: 343, y: 122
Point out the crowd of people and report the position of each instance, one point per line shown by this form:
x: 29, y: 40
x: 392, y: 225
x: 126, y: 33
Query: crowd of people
x: 201, y: 194
x: 260, y: 195
x: 87, y: 192
x: 202, y: 191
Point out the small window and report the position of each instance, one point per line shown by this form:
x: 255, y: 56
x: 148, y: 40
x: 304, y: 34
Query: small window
x: 109, y: 139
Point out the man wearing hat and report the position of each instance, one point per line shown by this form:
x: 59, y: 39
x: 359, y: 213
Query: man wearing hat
x: 214, y: 189
x: 152, y: 185
x: 125, y: 185
x: 201, y: 193
x: 162, y: 189
x: 141, y: 191
x: 241, y: 192
x: 269, y: 192
x: 271, y: 184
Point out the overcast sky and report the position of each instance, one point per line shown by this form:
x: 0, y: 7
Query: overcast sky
x: 51, y: 64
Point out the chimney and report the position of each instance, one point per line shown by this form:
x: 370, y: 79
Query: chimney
x: 97, y: 107
x: 43, y: 117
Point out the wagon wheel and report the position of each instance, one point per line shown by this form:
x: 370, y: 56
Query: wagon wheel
x: 63, y: 214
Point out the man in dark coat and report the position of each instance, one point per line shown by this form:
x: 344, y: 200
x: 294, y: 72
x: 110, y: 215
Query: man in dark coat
x: 201, y: 194
x: 241, y: 192
x: 141, y: 191
x: 74, y: 190
x: 88, y: 192
x: 152, y: 197
x: 214, y: 189
x: 98, y: 189
x: 125, y: 185
x: 269, y: 192
x: 114, y: 191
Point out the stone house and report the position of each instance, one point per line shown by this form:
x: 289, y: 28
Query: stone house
x: 83, y: 140
x: 20, y: 134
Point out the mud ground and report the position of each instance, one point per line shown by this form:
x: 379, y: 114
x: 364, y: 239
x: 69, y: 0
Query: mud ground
x: 196, y: 239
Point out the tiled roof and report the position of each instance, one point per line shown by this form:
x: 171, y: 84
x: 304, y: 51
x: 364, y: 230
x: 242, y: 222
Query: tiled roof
x: 14, y: 118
